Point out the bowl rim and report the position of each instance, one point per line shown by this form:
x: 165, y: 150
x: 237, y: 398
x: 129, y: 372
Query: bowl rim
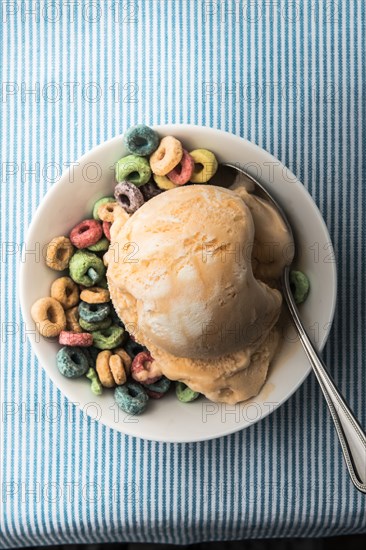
x: 21, y: 275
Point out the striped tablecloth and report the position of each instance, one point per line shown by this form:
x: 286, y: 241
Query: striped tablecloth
x: 288, y: 75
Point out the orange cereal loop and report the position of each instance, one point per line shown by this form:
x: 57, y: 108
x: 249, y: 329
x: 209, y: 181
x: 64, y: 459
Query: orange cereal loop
x: 65, y: 291
x: 49, y: 316
x: 117, y: 370
x: 58, y: 253
x: 106, y: 211
x: 103, y: 369
x: 95, y: 295
x: 126, y: 359
x: 167, y: 156
x: 72, y: 320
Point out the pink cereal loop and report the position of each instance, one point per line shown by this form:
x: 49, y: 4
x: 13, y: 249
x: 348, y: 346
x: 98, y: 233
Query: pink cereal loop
x: 86, y: 233
x: 143, y: 369
x: 82, y: 339
x: 182, y: 173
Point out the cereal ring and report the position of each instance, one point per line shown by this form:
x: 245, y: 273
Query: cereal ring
x: 59, y: 252
x: 184, y: 393
x: 81, y: 339
x: 101, y: 246
x: 300, y: 286
x: 65, y: 291
x: 107, y: 230
x: 72, y: 362
x: 72, y: 320
x: 117, y: 369
x: 163, y: 182
x: 167, y: 156
x: 95, y: 295
x: 91, y: 326
x: 182, y: 173
x: 150, y: 190
x: 126, y: 359
x: 49, y: 316
x: 80, y: 265
x: 106, y: 211
x: 141, y: 140
x: 95, y: 386
x: 158, y: 389
x: 99, y: 202
x: 108, y: 338
x: 134, y: 169
x: 128, y: 196
x: 93, y: 313
x: 205, y: 165
x: 86, y: 233
x: 131, y: 398
x: 144, y: 370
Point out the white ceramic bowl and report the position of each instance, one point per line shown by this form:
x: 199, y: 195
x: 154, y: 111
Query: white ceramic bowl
x: 71, y: 199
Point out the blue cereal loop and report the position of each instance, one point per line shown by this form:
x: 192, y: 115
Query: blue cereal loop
x: 131, y: 398
x: 141, y: 140
x: 72, y: 362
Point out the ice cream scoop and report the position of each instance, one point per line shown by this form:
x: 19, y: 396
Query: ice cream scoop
x: 189, y: 286
x: 180, y: 277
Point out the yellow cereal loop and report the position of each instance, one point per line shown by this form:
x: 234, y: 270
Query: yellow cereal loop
x: 205, y: 165
x: 164, y: 183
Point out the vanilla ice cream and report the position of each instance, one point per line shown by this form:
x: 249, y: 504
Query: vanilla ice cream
x: 180, y: 277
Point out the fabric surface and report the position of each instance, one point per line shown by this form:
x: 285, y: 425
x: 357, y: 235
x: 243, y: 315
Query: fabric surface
x: 288, y: 75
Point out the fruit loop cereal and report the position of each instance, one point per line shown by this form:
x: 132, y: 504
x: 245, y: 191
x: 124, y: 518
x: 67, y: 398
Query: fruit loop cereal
x: 82, y: 339
x: 128, y: 196
x: 144, y: 369
x: 133, y: 169
x: 182, y: 173
x: 65, y: 291
x: 49, y: 316
x: 95, y: 343
x: 205, y: 165
x: 59, y: 252
x: 86, y: 233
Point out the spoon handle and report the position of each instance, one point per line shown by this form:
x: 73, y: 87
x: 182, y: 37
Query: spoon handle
x: 351, y: 436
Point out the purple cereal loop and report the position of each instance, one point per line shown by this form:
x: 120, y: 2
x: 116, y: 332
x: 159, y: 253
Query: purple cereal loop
x: 128, y: 196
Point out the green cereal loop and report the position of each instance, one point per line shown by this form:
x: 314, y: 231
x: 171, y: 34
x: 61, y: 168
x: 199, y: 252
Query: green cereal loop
x: 81, y: 262
x: 90, y: 326
x: 99, y: 202
x: 108, y: 338
x: 184, y: 393
x: 96, y: 386
x: 101, y: 246
x: 133, y: 169
x: 300, y: 286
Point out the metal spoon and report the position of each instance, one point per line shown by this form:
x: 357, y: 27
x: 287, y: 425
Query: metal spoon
x: 351, y: 436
